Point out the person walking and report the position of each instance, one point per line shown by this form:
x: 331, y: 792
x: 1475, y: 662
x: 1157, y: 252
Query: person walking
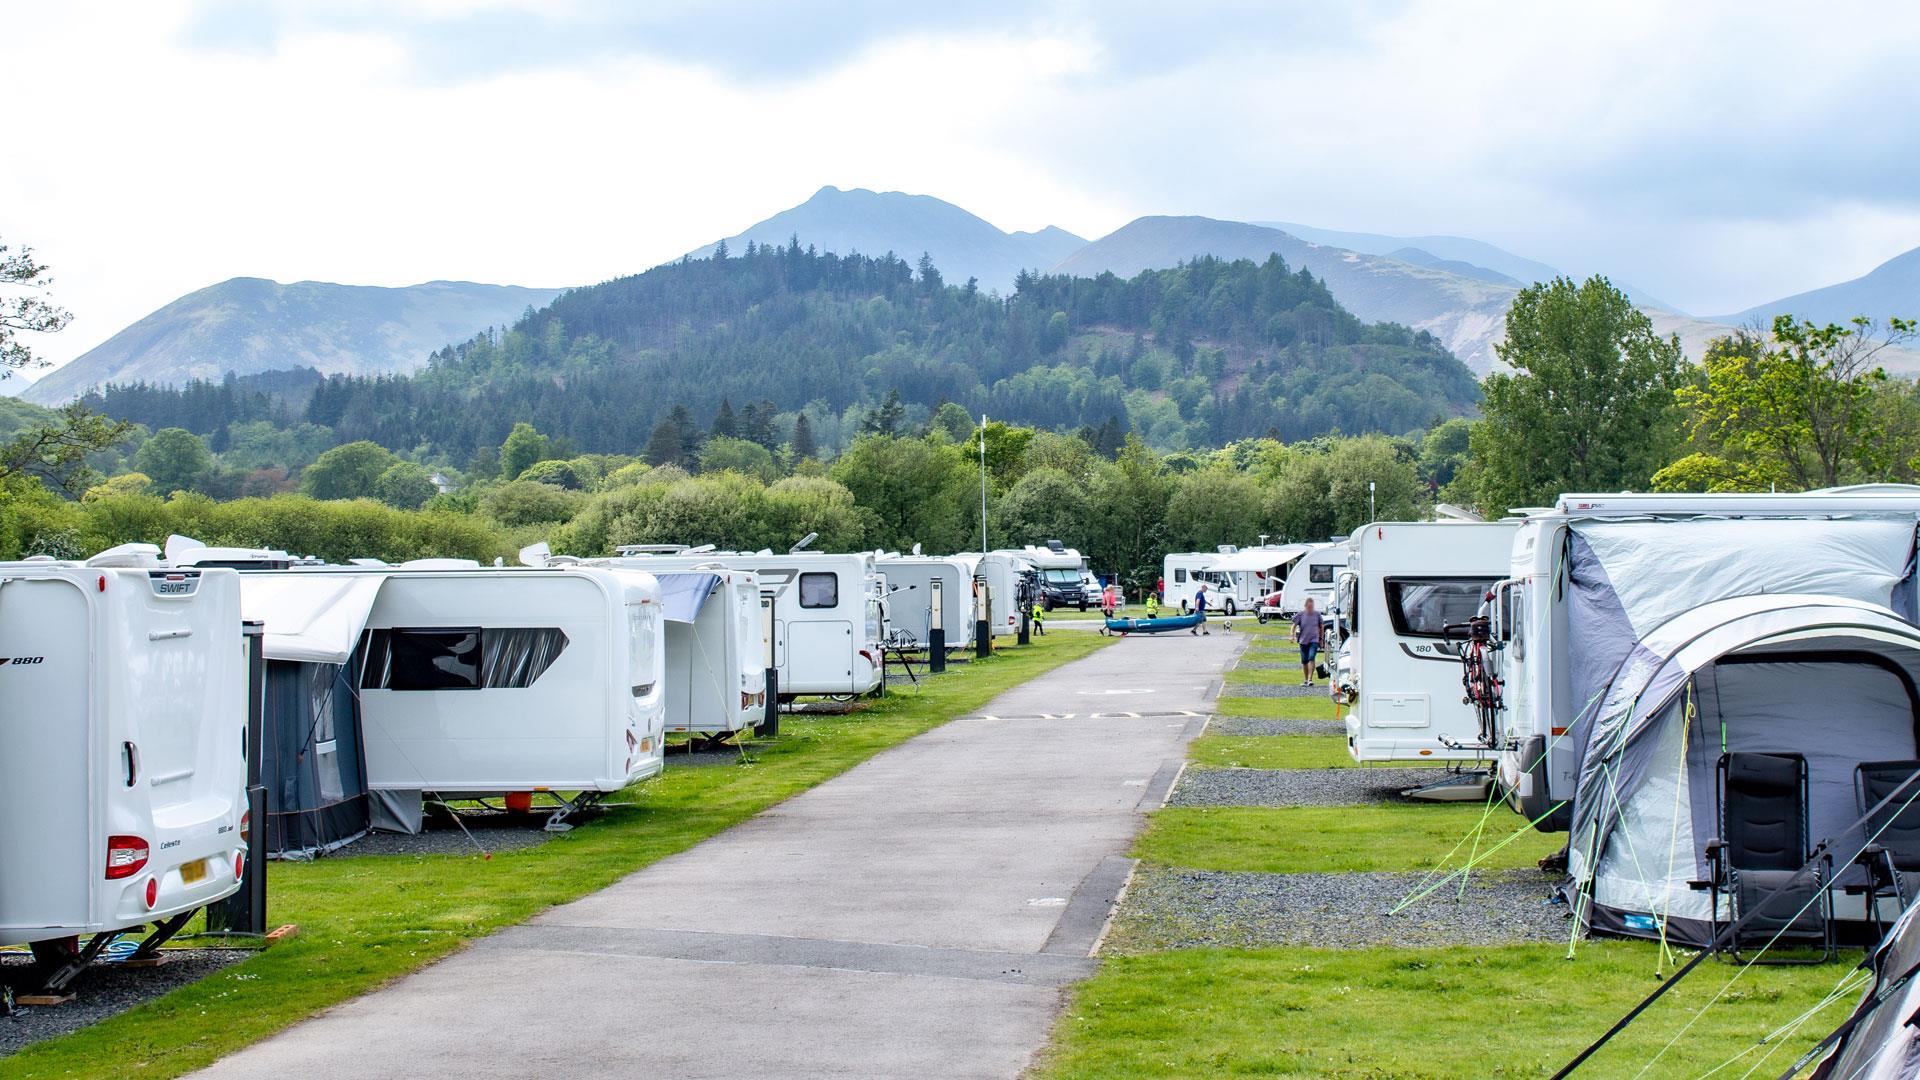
x: 1040, y: 620
x: 1153, y: 605
x: 1200, y: 609
x: 1109, y: 600
x: 1309, y: 630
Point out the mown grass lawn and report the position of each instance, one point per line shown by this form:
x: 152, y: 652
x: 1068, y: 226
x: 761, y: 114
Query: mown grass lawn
x: 1329, y: 839
x: 365, y: 920
x: 1513, y: 1011
x: 1272, y: 752
x: 1317, y: 707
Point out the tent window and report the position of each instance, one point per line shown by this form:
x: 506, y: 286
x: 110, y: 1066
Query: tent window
x: 820, y: 590
x: 1320, y: 574
x: 498, y: 658
x: 1421, y: 607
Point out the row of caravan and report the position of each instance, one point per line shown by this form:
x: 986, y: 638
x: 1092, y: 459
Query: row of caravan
x: 1643, y: 672
x: 372, y: 690
x: 1272, y: 580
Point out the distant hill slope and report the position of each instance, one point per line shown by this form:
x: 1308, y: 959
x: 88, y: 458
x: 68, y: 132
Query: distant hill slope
x: 1892, y: 288
x: 877, y: 222
x: 1467, y: 315
x: 249, y: 325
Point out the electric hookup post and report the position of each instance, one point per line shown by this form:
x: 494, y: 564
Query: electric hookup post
x: 770, y: 720
x: 936, y: 633
x: 245, y: 912
x: 1026, y: 624
x: 982, y: 623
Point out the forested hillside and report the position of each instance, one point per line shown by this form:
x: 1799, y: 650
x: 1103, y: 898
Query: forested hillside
x: 1201, y: 354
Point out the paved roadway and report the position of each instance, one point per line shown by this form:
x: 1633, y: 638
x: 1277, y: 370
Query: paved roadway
x: 917, y: 916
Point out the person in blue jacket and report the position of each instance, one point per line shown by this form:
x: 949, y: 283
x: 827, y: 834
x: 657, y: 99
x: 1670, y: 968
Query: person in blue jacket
x: 1200, y: 609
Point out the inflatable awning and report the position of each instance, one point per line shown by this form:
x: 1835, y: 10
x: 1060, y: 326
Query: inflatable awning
x: 313, y: 618
x: 683, y: 595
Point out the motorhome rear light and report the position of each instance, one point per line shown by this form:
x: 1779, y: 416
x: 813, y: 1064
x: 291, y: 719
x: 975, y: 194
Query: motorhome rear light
x: 246, y: 826
x: 1559, y: 731
x: 867, y: 656
x: 126, y: 856
x: 103, y: 583
x: 746, y: 700
x: 153, y: 891
x: 239, y: 864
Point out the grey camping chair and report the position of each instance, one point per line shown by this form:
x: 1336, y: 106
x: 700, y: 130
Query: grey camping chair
x: 1756, y: 859
x: 1893, y: 829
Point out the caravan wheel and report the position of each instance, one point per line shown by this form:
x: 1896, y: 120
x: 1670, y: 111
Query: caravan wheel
x: 1231, y: 610
x: 1185, y: 608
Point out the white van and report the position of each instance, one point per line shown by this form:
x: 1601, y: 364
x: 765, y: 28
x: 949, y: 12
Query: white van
x: 123, y: 763
x: 1399, y: 663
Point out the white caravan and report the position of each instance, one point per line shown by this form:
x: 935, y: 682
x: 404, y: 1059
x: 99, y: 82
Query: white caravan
x: 1312, y: 578
x: 1399, y: 664
x: 481, y: 681
x: 122, y: 758
x: 1562, y: 592
x: 1183, y: 572
x: 1001, y: 573
x: 716, y: 659
x: 911, y: 587
x: 828, y: 621
x: 1237, y: 579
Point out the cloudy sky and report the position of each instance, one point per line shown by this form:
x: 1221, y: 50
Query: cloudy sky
x: 1714, y: 154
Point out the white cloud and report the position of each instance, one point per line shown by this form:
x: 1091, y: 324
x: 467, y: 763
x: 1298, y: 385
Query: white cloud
x: 1715, y: 155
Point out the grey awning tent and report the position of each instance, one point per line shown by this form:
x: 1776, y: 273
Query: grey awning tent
x: 1882, y: 1044
x: 312, y: 759
x: 683, y: 595
x: 1830, y: 678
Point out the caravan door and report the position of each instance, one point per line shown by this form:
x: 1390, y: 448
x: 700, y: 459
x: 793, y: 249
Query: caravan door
x: 47, y: 862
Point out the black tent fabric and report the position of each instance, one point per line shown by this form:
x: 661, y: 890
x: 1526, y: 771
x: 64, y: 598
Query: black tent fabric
x: 313, y: 766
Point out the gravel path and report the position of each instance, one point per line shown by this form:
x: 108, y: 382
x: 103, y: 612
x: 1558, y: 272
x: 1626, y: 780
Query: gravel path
x: 1254, y: 725
x: 1296, y: 787
x: 1269, y: 690
x: 491, y: 832
x: 1174, y: 908
x: 104, y: 990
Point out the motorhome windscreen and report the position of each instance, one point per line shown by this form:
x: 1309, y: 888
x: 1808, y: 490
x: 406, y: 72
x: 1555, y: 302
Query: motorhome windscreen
x: 1422, y: 607
x: 463, y: 658
x: 1320, y: 574
x: 820, y: 590
x: 1062, y: 577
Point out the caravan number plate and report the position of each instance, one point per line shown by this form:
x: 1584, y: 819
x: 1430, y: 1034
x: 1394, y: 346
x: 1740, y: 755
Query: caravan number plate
x: 193, y: 871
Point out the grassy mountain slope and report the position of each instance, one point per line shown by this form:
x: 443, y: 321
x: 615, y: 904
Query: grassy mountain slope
x: 877, y: 222
x: 1453, y: 248
x: 1892, y: 288
x: 249, y: 325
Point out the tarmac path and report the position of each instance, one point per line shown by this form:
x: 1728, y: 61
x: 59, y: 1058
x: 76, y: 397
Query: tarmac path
x: 918, y: 916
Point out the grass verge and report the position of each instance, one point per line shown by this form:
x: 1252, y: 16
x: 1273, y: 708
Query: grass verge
x: 1271, y: 752
x: 1331, y: 839
x: 367, y: 920
x: 1318, y: 707
x: 1422, y: 1013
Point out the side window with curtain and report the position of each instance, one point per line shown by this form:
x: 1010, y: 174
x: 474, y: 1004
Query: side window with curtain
x: 820, y: 590
x: 467, y: 658
x: 1320, y: 574
x: 1179, y: 575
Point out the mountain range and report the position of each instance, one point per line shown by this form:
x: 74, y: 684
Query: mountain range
x: 249, y: 325
x: 1457, y: 288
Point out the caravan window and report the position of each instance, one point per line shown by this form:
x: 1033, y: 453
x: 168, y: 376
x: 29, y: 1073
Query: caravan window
x: 1420, y: 607
x: 820, y: 590
x: 1320, y: 574
x: 467, y: 658
x: 1179, y: 575
x: 643, y: 634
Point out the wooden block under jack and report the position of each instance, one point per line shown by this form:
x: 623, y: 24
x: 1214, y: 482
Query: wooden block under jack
x: 284, y: 932
x: 42, y: 1001
x: 153, y: 961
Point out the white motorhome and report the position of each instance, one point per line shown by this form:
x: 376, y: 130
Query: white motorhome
x: 1183, y: 572
x: 480, y: 681
x: 124, y: 685
x: 828, y: 621
x: 1411, y: 588
x: 1001, y: 573
x: 1237, y: 579
x: 1064, y: 579
x: 1311, y: 578
x: 912, y: 584
x: 1560, y: 595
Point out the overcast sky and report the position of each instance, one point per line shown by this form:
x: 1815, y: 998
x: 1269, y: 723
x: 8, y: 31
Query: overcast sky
x: 1716, y: 155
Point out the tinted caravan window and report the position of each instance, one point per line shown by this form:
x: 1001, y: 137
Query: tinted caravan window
x: 1320, y: 574
x: 1420, y: 607
x: 467, y: 658
x: 820, y: 590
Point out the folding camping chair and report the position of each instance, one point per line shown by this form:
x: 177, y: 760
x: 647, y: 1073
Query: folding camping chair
x: 1893, y: 830
x: 1757, y: 856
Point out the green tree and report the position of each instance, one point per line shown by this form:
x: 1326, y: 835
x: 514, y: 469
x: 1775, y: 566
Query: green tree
x: 724, y: 452
x: 1054, y: 337
x: 352, y: 471
x: 953, y: 420
x: 922, y: 492
x: 885, y: 420
x: 1444, y: 449
x: 1128, y: 515
x: 176, y: 459
x: 562, y: 474
x: 1589, y: 405
x: 528, y: 502
x: 725, y: 425
x: 405, y: 485
x: 663, y: 446
x: 1213, y: 506
x: 1045, y: 504
x: 523, y: 447
x: 802, y: 445
x: 55, y: 453
x: 1809, y: 408
x: 23, y: 308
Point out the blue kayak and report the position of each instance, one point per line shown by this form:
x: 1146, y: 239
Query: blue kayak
x: 1162, y: 625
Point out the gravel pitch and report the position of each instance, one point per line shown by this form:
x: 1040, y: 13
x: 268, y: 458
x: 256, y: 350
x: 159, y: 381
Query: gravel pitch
x: 1174, y: 908
x: 1296, y: 787
x: 1266, y: 665
x: 103, y: 990
x: 490, y: 833
x: 1254, y: 725
x: 1269, y: 690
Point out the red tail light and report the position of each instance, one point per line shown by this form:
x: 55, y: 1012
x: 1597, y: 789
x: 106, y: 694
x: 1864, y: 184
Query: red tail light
x: 869, y: 657
x: 126, y: 856
x: 239, y: 865
x: 246, y: 827
x: 153, y: 891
